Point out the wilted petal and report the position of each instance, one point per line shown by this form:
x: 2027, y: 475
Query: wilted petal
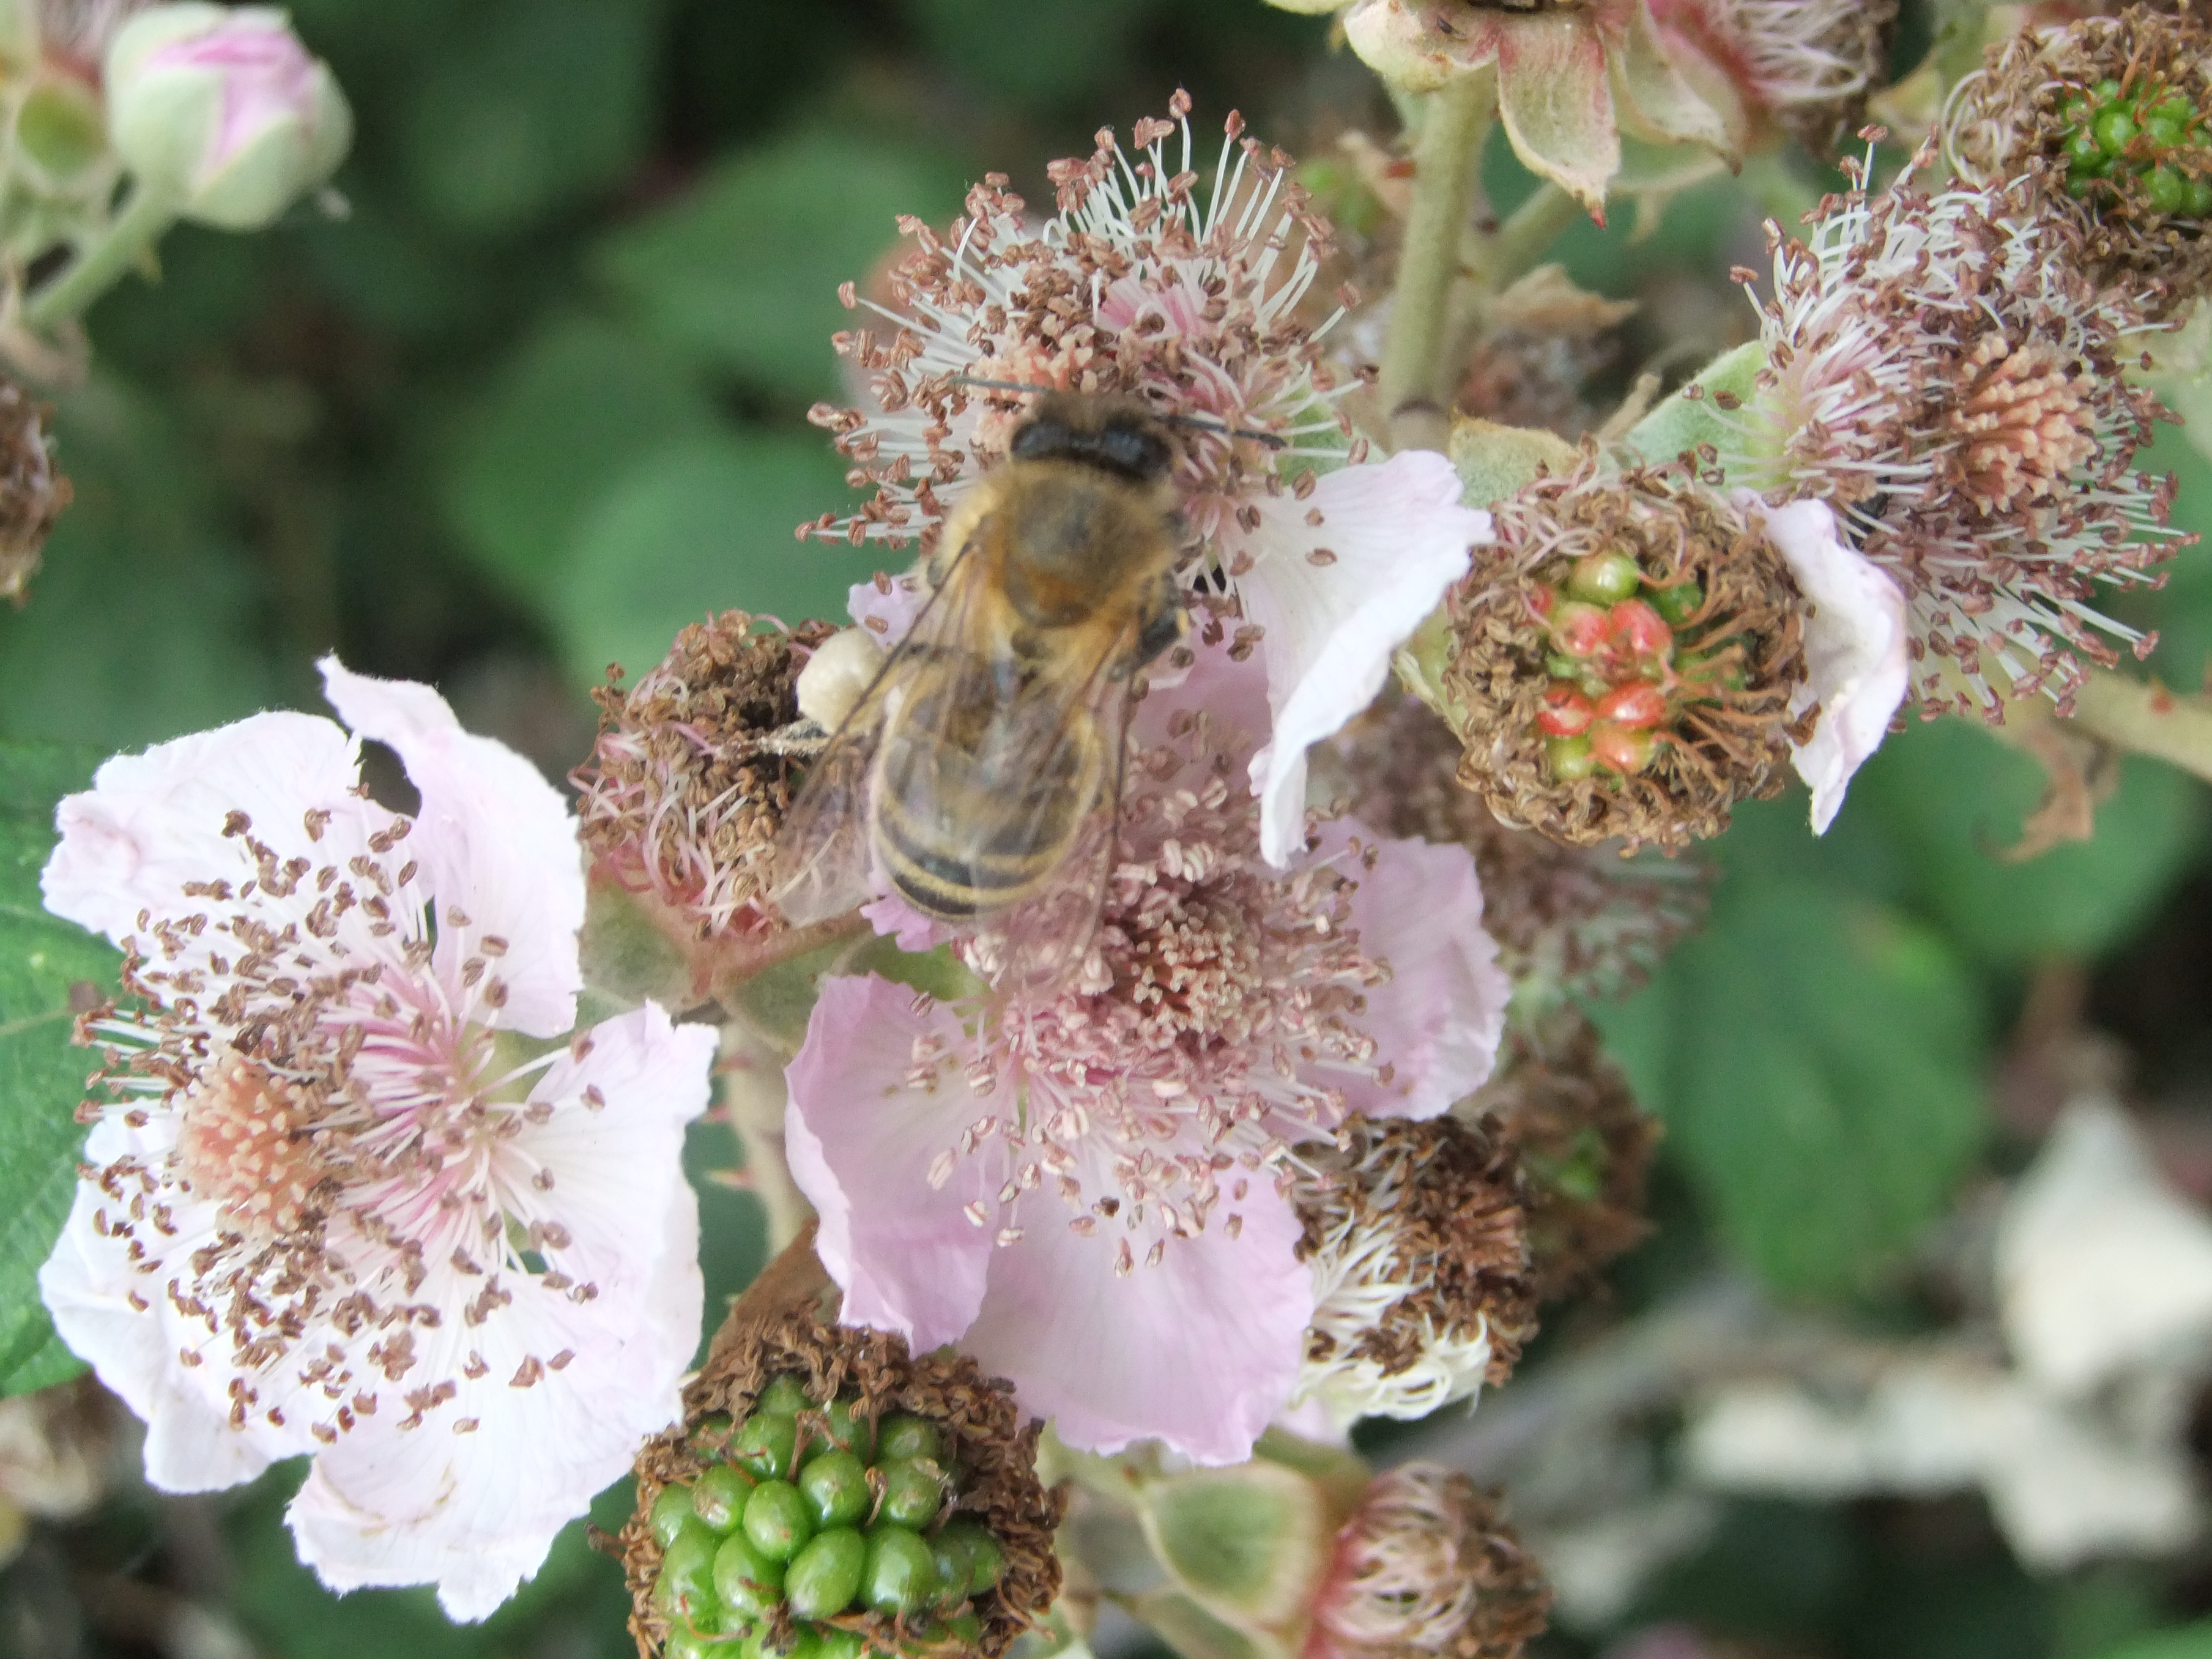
x: 1392, y: 38
x: 491, y: 828
x: 153, y: 821
x: 1341, y: 579
x: 1438, y: 1021
x: 863, y: 1140
x: 1556, y: 102
x: 1854, y: 650
x: 1198, y: 1351
x: 1658, y: 100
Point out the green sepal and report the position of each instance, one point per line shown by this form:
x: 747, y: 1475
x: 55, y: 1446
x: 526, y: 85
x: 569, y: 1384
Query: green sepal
x: 1249, y: 1544
x: 1692, y: 419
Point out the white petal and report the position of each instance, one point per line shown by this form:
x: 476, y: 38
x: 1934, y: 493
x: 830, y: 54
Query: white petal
x: 565, y: 1387
x: 494, y: 841
x: 152, y: 823
x: 1855, y: 649
x: 1399, y: 537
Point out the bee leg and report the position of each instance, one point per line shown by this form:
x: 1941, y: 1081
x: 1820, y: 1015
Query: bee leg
x: 1164, y: 623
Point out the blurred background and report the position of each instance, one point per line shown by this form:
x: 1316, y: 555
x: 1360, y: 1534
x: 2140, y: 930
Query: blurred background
x: 537, y: 399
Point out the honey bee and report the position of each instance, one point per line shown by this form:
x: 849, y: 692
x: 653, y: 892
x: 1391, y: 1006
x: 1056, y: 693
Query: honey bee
x: 980, y: 773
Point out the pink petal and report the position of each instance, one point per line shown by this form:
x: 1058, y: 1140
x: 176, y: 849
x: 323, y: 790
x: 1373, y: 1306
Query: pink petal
x: 1199, y: 1352
x: 1854, y: 650
x: 494, y: 841
x: 153, y: 821
x: 1400, y: 538
x: 862, y: 1141
x: 1438, y: 1022
x: 1556, y: 102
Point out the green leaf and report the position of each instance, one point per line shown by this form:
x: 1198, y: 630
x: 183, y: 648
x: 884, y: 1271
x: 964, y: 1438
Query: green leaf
x: 537, y: 109
x: 2182, y: 1642
x: 1953, y: 797
x: 745, y: 270
x: 41, y: 1072
x: 1043, y: 53
x: 579, y: 403
x: 702, y: 526
x: 1817, y: 1061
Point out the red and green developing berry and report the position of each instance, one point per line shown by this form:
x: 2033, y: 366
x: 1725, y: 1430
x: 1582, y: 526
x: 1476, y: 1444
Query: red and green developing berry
x: 2157, y: 136
x: 819, y: 1512
x: 1625, y: 654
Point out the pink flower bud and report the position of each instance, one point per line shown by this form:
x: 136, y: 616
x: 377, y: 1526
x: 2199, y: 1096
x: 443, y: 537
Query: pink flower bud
x: 224, y: 109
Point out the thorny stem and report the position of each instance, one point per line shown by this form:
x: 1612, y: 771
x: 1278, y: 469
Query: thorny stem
x: 2147, y: 719
x: 1446, y: 175
x: 145, y: 216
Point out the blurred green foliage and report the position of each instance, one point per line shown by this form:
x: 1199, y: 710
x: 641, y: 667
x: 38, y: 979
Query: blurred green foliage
x: 538, y: 399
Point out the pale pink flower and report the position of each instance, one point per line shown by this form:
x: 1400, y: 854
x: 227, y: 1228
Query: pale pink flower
x: 224, y: 108
x: 350, y: 1200
x: 1855, y: 649
x: 1143, y: 285
x: 1089, y: 1189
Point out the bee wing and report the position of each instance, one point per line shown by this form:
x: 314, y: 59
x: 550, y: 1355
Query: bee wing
x: 1041, y: 944
x: 822, y: 864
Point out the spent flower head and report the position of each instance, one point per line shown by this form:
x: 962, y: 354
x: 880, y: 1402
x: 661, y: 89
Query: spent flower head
x: 1421, y: 1292
x: 1427, y: 1566
x: 691, y: 775
x: 1147, y: 284
x: 2104, y: 126
x: 334, y: 1206
x: 32, y: 492
x: 1087, y: 1188
x: 1626, y: 659
x: 1943, y: 373
x: 828, y: 1489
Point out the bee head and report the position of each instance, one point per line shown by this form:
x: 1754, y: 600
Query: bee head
x: 1115, y: 435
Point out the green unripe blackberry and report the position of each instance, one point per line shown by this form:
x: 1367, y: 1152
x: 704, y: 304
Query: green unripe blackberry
x: 914, y: 1491
x: 903, y: 1435
x: 900, y: 1576
x: 835, y: 1487
x: 764, y: 1445
x: 850, y: 1431
x: 686, y: 1587
x: 669, y: 1511
x: 985, y: 1559
x: 718, y: 1499
x: 825, y: 1577
x: 746, y: 1582
x: 784, y: 1397
x: 777, y: 1520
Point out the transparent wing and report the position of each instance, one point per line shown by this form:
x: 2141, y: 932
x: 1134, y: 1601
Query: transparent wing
x: 1041, y: 944
x: 822, y: 866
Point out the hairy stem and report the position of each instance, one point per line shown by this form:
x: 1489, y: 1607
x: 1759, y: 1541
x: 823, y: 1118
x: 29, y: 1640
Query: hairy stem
x: 2147, y: 719
x: 96, y: 269
x: 1446, y: 168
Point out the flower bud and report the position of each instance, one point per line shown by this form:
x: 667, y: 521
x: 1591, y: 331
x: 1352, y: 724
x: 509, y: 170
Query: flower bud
x: 1421, y: 1293
x: 830, y: 1492
x: 32, y: 493
x: 1427, y: 1566
x: 688, y: 782
x: 223, y: 109
x: 1689, y: 716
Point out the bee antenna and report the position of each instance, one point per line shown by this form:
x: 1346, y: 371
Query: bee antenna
x: 1206, y: 425
x: 1202, y: 422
